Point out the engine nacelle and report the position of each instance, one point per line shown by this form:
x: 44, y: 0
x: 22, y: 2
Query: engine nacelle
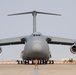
x: 0, y: 50
x: 73, y: 49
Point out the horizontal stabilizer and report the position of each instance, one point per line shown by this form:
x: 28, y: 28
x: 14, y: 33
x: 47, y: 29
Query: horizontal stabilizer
x: 35, y: 12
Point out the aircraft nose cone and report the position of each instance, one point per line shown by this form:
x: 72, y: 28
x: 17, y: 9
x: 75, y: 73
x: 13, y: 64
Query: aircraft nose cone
x: 36, y: 47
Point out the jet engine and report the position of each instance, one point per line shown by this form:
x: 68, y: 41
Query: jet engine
x: 73, y: 49
x: 0, y: 49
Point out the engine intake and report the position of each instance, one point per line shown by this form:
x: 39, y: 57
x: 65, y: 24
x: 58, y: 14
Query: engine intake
x: 73, y: 49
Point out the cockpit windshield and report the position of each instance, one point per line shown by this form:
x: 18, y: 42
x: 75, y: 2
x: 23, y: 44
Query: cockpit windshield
x: 36, y: 35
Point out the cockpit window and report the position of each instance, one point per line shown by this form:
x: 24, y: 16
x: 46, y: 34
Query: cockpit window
x: 36, y: 35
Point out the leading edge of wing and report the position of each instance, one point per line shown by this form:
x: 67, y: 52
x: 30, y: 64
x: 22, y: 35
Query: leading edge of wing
x: 13, y: 41
x: 58, y: 40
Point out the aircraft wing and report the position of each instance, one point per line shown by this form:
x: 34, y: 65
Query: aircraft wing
x: 58, y: 40
x: 13, y: 41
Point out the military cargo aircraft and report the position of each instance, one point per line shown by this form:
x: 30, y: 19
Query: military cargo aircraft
x: 36, y: 44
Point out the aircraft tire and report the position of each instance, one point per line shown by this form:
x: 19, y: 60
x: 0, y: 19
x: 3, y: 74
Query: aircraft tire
x: 49, y: 61
x: 28, y: 61
x: 21, y: 62
x: 25, y: 62
x: 40, y: 61
x: 32, y: 62
x: 18, y: 61
x: 45, y: 62
x: 52, y: 61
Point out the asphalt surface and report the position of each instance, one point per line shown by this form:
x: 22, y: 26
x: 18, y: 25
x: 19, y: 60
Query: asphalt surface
x: 56, y: 69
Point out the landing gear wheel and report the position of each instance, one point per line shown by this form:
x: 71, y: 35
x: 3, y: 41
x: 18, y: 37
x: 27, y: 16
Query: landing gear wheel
x: 45, y: 62
x: 21, y: 62
x: 49, y: 61
x: 32, y: 62
x: 18, y: 61
x: 52, y: 61
x: 25, y: 62
x: 40, y: 61
x: 28, y: 62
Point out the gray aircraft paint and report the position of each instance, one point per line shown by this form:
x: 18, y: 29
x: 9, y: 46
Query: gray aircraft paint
x: 36, y: 47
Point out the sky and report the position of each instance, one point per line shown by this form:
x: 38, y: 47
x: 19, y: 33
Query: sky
x: 64, y: 26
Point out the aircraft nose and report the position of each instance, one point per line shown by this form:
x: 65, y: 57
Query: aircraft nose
x: 36, y: 47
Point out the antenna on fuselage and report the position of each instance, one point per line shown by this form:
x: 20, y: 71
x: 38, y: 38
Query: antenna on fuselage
x: 34, y: 14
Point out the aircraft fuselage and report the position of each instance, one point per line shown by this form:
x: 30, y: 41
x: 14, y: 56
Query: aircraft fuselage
x: 36, y: 48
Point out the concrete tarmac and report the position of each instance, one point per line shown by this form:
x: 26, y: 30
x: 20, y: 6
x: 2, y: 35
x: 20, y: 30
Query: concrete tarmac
x: 55, y: 69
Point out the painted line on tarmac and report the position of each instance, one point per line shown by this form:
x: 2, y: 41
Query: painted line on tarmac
x: 36, y: 72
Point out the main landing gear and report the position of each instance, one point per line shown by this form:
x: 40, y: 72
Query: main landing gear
x: 32, y: 62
